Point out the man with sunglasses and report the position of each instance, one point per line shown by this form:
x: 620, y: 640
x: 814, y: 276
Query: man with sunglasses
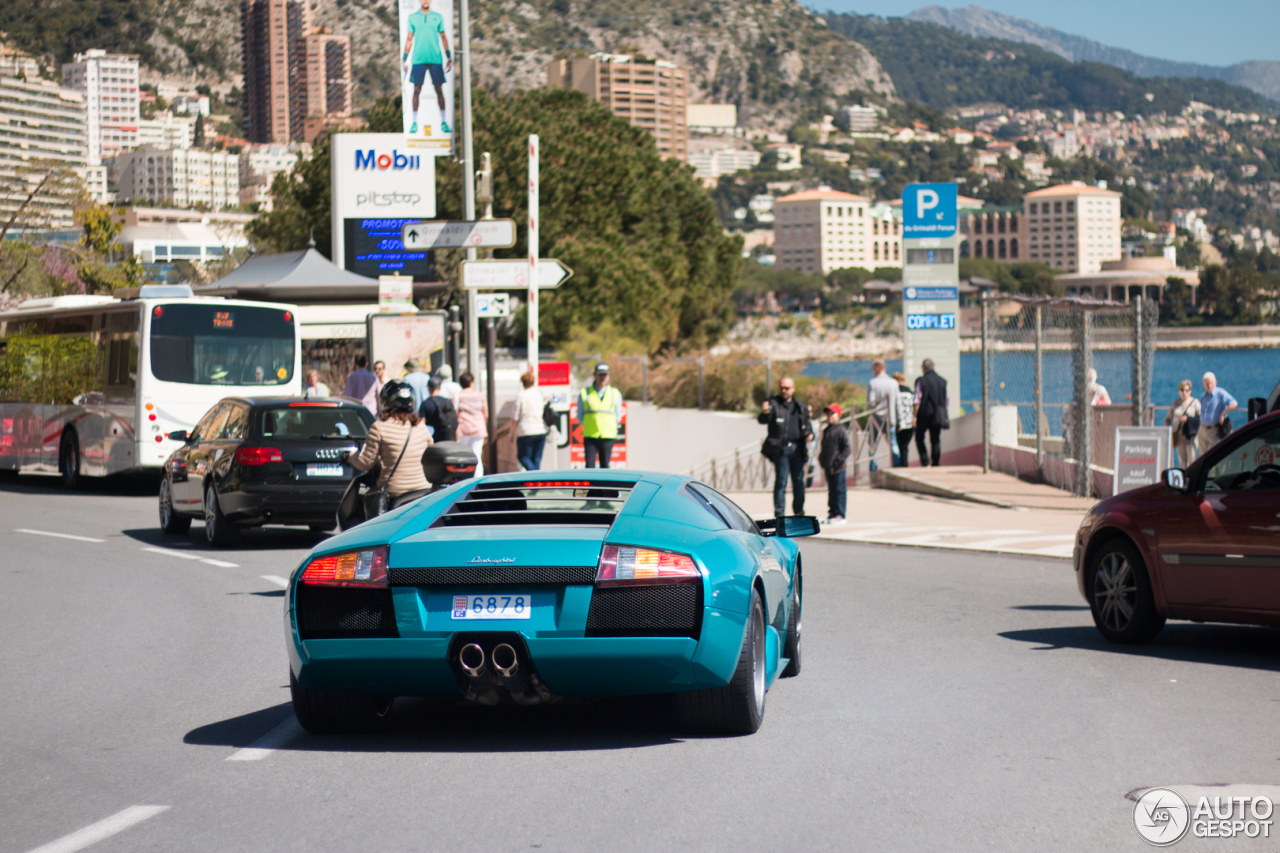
x: 786, y: 446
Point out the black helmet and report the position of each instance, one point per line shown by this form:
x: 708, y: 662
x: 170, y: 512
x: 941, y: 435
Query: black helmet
x: 396, y: 396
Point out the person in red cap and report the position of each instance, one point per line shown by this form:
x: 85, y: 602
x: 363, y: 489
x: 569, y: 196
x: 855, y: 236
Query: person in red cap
x: 834, y: 455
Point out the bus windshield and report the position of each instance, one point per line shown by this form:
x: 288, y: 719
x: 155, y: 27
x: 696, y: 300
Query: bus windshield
x: 222, y: 345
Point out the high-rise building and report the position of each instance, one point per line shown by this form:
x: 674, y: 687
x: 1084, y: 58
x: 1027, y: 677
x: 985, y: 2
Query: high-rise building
x: 817, y: 231
x: 40, y: 122
x: 292, y: 70
x: 109, y: 83
x: 651, y: 95
x: 181, y: 178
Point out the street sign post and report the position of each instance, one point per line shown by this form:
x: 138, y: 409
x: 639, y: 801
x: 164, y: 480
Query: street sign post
x: 534, y: 281
x: 505, y: 274
x: 493, y: 305
x: 931, y: 284
x: 477, y: 234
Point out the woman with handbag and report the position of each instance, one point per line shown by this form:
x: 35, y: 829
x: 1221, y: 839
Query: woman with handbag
x: 473, y: 418
x: 1184, y: 417
x: 397, y: 440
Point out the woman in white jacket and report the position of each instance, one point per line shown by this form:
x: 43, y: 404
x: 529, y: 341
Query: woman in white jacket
x: 531, y: 430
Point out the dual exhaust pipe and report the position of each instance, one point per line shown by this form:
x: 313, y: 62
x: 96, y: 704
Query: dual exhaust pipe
x: 501, y: 667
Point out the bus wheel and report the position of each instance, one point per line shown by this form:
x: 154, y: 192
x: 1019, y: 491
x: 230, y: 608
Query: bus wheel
x: 69, y: 459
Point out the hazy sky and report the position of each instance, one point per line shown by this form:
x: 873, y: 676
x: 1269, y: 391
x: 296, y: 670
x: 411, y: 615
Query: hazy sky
x: 1220, y: 32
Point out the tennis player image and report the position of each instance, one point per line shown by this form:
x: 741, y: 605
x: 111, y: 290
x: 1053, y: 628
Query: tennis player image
x: 427, y: 52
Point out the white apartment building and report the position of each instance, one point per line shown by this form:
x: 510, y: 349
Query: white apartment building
x: 861, y: 119
x: 817, y: 231
x: 713, y: 164
x: 40, y: 121
x: 181, y: 178
x: 1073, y: 227
x: 109, y: 83
x: 259, y: 165
x: 166, y: 131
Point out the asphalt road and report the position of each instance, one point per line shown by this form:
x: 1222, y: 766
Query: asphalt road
x: 949, y: 701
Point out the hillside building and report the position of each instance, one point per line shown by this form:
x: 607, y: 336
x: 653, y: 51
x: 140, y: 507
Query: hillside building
x: 712, y: 118
x: 651, y: 95
x: 181, y: 178
x: 109, y: 84
x: 259, y: 165
x: 166, y: 131
x: 293, y: 71
x: 817, y: 231
x: 40, y: 121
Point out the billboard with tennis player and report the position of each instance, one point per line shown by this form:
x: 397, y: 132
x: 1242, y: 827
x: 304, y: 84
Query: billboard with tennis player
x: 426, y: 74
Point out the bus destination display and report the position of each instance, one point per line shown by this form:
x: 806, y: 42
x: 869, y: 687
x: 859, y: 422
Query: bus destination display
x: 224, y: 319
x: 931, y: 321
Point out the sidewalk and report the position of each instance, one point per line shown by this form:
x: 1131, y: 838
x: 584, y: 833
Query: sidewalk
x: 967, y: 482
x: 889, y: 517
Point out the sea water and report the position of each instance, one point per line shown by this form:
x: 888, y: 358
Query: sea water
x: 1244, y: 373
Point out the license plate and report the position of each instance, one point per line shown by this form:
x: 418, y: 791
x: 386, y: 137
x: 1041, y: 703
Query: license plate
x: 505, y: 606
x: 324, y: 470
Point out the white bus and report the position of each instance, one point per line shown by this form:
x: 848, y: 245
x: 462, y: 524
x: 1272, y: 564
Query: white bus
x: 93, y: 385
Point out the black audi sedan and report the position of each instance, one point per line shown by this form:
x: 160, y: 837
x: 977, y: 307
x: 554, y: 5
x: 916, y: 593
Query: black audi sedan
x: 262, y: 460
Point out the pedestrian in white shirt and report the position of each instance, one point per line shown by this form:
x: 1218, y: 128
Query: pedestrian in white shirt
x: 531, y: 430
x: 882, y: 399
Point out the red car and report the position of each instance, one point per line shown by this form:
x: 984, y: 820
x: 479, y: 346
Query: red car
x: 1204, y: 544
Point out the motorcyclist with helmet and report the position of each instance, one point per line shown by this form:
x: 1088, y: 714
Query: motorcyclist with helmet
x: 397, y: 439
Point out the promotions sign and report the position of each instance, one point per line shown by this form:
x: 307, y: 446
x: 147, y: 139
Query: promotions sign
x: 426, y: 74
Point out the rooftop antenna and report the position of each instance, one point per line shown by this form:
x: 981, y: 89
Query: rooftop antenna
x: 311, y: 243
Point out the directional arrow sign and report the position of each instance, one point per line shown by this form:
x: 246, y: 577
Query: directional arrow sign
x: 481, y: 234
x: 512, y: 274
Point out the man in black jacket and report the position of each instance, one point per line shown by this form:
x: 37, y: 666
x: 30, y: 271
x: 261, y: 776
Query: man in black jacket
x: 837, y: 447
x: 789, y: 430
x: 438, y: 412
x: 929, y: 413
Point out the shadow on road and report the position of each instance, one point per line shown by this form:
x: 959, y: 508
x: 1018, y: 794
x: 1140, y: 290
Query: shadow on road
x: 1050, y: 607
x: 260, y: 539
x: 1221, y: 645
x: 423, y: 725
x: 146, y: 484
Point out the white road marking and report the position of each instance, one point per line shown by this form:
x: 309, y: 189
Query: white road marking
x: 58, y: 535
x: 879, y: 530
x: 270, y: 742
x: 184, y: 555
x: 277, y: 580
x: 952, y: 534
x: 105, y: 828
x: 1014, y: 541
x: 989, y: 544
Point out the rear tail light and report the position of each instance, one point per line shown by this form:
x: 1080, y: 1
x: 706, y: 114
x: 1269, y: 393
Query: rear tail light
x: 623, y: 564
x: 258, y: 455
x: 351, y: 568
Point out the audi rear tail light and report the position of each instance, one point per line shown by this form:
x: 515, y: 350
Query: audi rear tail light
x: 365, y: 567
x: 258, y: 455
x: 623, y: 564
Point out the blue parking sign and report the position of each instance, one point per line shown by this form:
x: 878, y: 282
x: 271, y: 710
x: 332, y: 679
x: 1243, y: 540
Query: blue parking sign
x: 928, y: 210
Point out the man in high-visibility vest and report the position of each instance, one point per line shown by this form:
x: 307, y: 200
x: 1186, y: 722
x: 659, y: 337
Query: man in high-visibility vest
x: 599, y: 411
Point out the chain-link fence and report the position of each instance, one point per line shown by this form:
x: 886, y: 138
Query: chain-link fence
x: 1059, y: 374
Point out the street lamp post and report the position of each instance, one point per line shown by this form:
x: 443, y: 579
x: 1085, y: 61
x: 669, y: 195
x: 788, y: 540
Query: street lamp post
x: 468, y: 179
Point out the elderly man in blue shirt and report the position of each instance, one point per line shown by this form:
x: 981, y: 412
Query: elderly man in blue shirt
x: 1214, y: 406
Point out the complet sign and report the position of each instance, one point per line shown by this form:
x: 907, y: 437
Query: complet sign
x: 479, y: 234
x: 929, y: 210
x: 512, y: 275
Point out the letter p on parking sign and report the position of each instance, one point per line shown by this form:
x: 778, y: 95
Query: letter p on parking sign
x: 928, y: 210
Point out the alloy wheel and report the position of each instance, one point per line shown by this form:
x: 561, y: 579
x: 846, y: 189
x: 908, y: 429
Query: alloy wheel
x: 1115, y: 591
x: 210, y: 515
x: 757, y: 662
x: 166, y: 504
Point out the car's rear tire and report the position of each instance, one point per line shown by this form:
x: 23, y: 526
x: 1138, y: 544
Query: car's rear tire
x: 69, y: 459
x: 738, y: 707
x: 791, y: 648
x: 1120, y: 597
x: 218, y: 532
x: 171, y: 521
x: 328, y: 712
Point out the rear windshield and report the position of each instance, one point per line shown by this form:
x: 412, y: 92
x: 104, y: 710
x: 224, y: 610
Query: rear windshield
x: 313, y: 422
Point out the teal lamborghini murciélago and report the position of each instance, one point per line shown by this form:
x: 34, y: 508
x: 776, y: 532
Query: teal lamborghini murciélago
x: 531, y: 589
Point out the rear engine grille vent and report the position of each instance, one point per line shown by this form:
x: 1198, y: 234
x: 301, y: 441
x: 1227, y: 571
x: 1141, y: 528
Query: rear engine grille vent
x: 669, y: 610
x: 590, y: 502
x: 494, y: 575
x: 328, y: 613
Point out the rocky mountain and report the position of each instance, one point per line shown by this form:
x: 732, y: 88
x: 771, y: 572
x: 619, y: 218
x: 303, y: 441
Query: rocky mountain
x: 773, y: 58
x: 1262, y: 77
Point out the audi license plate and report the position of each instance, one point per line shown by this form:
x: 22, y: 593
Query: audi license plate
x: 504, y: 606
x: 324, y: 470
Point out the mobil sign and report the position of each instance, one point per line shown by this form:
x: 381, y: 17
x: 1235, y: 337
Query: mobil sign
x: 929, y: 210
x: 376, y: 175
